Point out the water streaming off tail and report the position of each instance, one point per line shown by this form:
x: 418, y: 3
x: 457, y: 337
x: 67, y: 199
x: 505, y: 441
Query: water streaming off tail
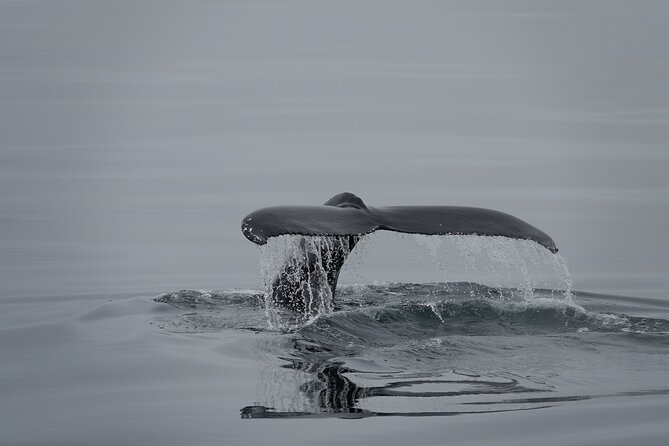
x: 299, y: 273
x: 505, y: 261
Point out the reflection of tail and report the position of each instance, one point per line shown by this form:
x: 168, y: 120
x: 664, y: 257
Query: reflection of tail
x: 443, y: 394
x: 340, y: 394
x: 341, y: 221
x: 334, y: 394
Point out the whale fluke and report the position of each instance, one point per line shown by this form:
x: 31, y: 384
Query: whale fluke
x: 344, y: 218
x: 347, y: 214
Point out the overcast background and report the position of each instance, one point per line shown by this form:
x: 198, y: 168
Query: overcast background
x: 135, y: 135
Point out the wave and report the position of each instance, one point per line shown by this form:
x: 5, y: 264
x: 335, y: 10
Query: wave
x: 440, y: 349
x: 425, y: 310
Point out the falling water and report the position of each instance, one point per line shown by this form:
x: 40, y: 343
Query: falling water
x: 502, y: 259
x: 299, y: 272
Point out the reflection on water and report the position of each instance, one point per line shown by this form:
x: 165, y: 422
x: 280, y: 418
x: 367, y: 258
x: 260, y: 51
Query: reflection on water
x: 335, y: 394
x: 441, y: 349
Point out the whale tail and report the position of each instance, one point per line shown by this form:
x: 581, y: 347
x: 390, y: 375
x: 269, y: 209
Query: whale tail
x: 344, y: 218
x: 307, y: 281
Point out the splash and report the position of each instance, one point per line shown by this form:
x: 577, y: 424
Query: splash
x: 300, y: 273
x: 503, y: 259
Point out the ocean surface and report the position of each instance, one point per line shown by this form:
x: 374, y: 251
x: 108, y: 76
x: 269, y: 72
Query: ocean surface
x: 136, y: 135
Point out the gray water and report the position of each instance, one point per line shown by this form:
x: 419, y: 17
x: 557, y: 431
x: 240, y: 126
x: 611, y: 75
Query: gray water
x: 135, y: 136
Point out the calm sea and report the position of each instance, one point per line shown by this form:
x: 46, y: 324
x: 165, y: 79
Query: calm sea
x: 135, y: 136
